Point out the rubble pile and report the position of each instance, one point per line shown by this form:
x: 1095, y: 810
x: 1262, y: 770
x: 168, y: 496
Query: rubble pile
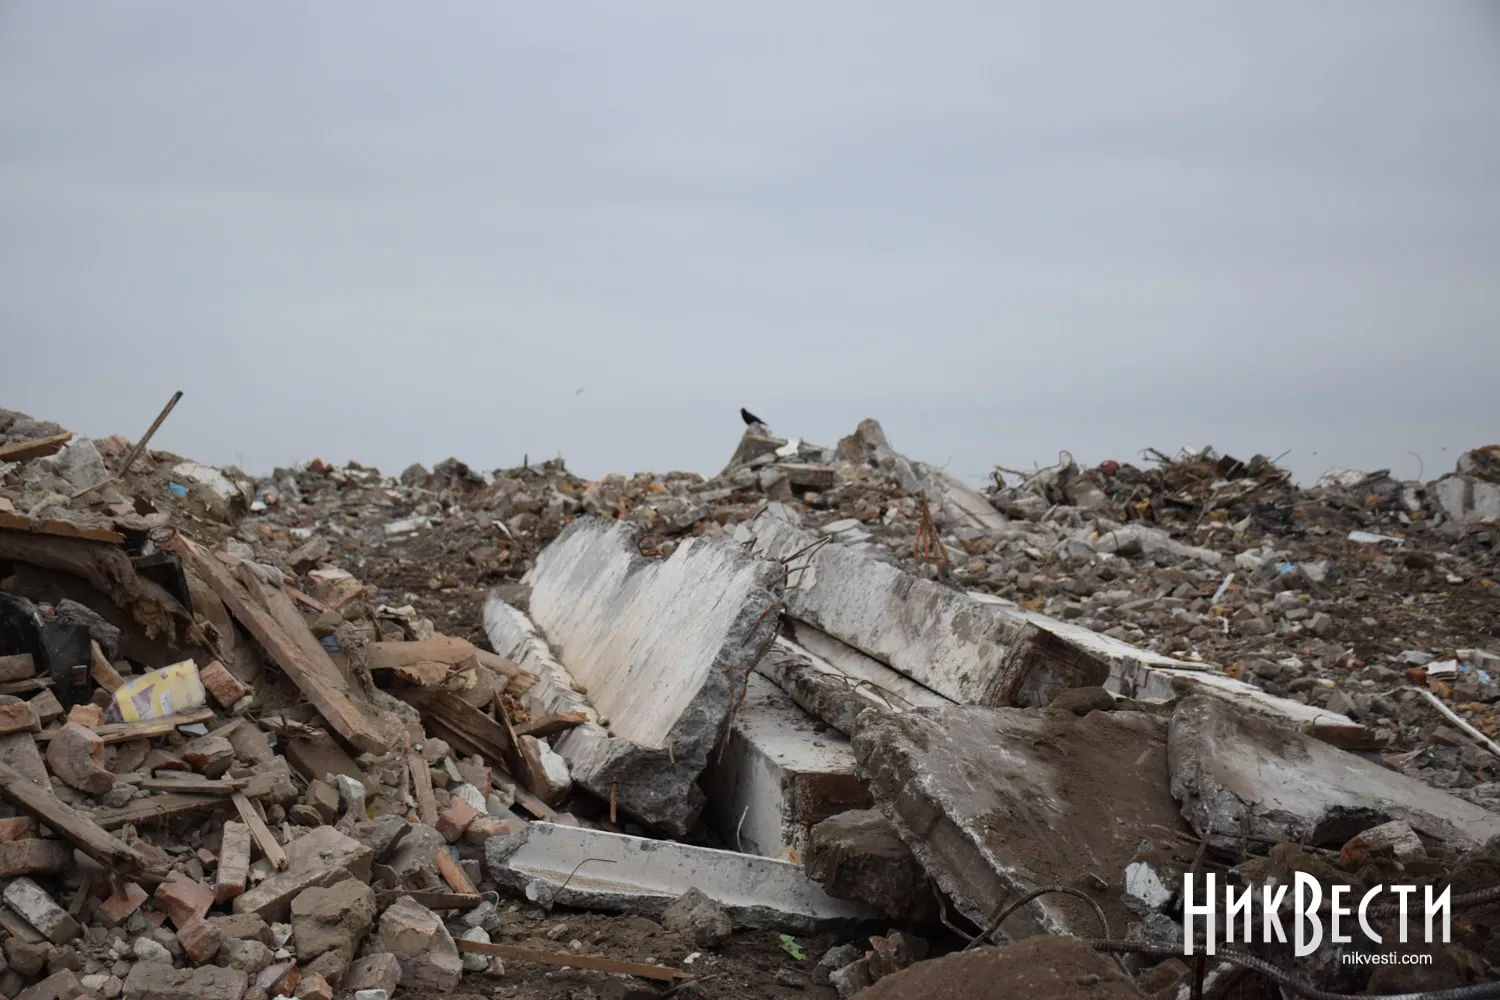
x: 806, y: 727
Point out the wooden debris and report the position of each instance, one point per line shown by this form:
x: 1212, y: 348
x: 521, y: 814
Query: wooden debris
x: 161, y: 808
x: 421, y: 779
x: 123, y: 732
x: 110, y: 570
x: 639, y: 969
x: 104, y: 673
x: 427, y: 662
x: 551, y: 725
x: 453, y: 874
x: 86, y: 835
x: 195, y: 784
x: 262, y: 834
x: 472, y: 732
x: 17, y: 667
x: 59, y: 529
x: 234, y: 862
x: 317, y: 676
x: 25, y: 451
x: 140, y: 446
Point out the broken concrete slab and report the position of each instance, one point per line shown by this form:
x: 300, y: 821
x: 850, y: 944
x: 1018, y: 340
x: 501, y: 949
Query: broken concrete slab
x: 662, y: 648
x: 967, y: 651
x: 994, y: 802
x: 646, y: 875
x: 778, y: 776
x: 321, y: 856
x: 836, y: 682
x: 1238, y: 775
x: 1146, y: 675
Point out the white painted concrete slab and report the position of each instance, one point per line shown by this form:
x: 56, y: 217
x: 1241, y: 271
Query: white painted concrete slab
x: 636, y: 875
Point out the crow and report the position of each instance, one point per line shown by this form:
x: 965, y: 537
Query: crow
x: 750, y: 418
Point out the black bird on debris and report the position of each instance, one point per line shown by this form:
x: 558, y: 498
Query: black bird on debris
x: 749, y: 418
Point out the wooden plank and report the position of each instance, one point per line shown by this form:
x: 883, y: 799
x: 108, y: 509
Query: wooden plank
x: 657, y: 972
x: 124, y: 732
x: 317, y: 677
x: 195, y: 784
x: 431, y: 900
x: 453, y: 874
x: 27, y: 686
x: 161, y: 808
x: 262, y: 833
x: 472, y: 732
x: 85, y: 834
x: 25, y: 451
x: 551, y: 725
x: 104, y: 673
x: 421, y: 779
x: 61, y: 529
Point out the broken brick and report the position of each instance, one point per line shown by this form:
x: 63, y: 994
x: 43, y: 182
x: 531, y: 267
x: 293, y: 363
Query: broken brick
x: 200, y: 940
x: 76, y: 755
x: 20, y: 717
x: 222, y: 686
x: 118, y: 907
x: 453, y: 821
x: 184, y: 899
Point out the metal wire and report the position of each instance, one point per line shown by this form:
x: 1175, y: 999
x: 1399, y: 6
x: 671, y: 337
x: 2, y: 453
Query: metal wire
x: 1033, y: 894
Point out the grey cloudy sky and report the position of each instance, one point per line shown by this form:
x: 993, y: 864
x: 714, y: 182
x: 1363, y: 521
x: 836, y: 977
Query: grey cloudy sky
x: 395, y: 232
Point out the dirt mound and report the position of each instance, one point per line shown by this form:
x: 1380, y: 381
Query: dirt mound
x: 1039, y: 968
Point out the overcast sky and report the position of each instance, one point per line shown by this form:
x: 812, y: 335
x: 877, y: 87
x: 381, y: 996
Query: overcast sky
x: 398, y: 232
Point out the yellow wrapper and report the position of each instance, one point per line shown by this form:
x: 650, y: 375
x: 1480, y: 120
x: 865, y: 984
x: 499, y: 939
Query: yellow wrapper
x: 167, y: 691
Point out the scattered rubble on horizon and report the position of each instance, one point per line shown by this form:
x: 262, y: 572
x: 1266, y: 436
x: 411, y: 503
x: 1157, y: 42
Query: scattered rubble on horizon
x: 803, y: 728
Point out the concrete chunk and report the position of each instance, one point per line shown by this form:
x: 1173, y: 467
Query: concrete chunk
x: 40, y: 911
x: 414, y: 934
x: 968, y: 651
x: 318, y: 857
x: 1238, y: 774
x: 858, y: 855
x: 779, y: 775
x: 647, y: 875
x: 994, y: 802
x: 662, y: 648
x: 154, y: 981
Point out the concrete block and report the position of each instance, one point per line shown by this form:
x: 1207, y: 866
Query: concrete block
x: 662, y: 648
x: 1148, y: 676
x: 968, y: 651
x: 318, y: 857
x: 380, y: 971
x: 859, y: 855
x: 779, y: 775
x: 1468, y: 500
x: 154, y: 981
x: 994, y: 802
x: 416, y: 936
x: 551, y: 780
x: 647, y: 875
x: 1237, y: 774
x: 40, y: 911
